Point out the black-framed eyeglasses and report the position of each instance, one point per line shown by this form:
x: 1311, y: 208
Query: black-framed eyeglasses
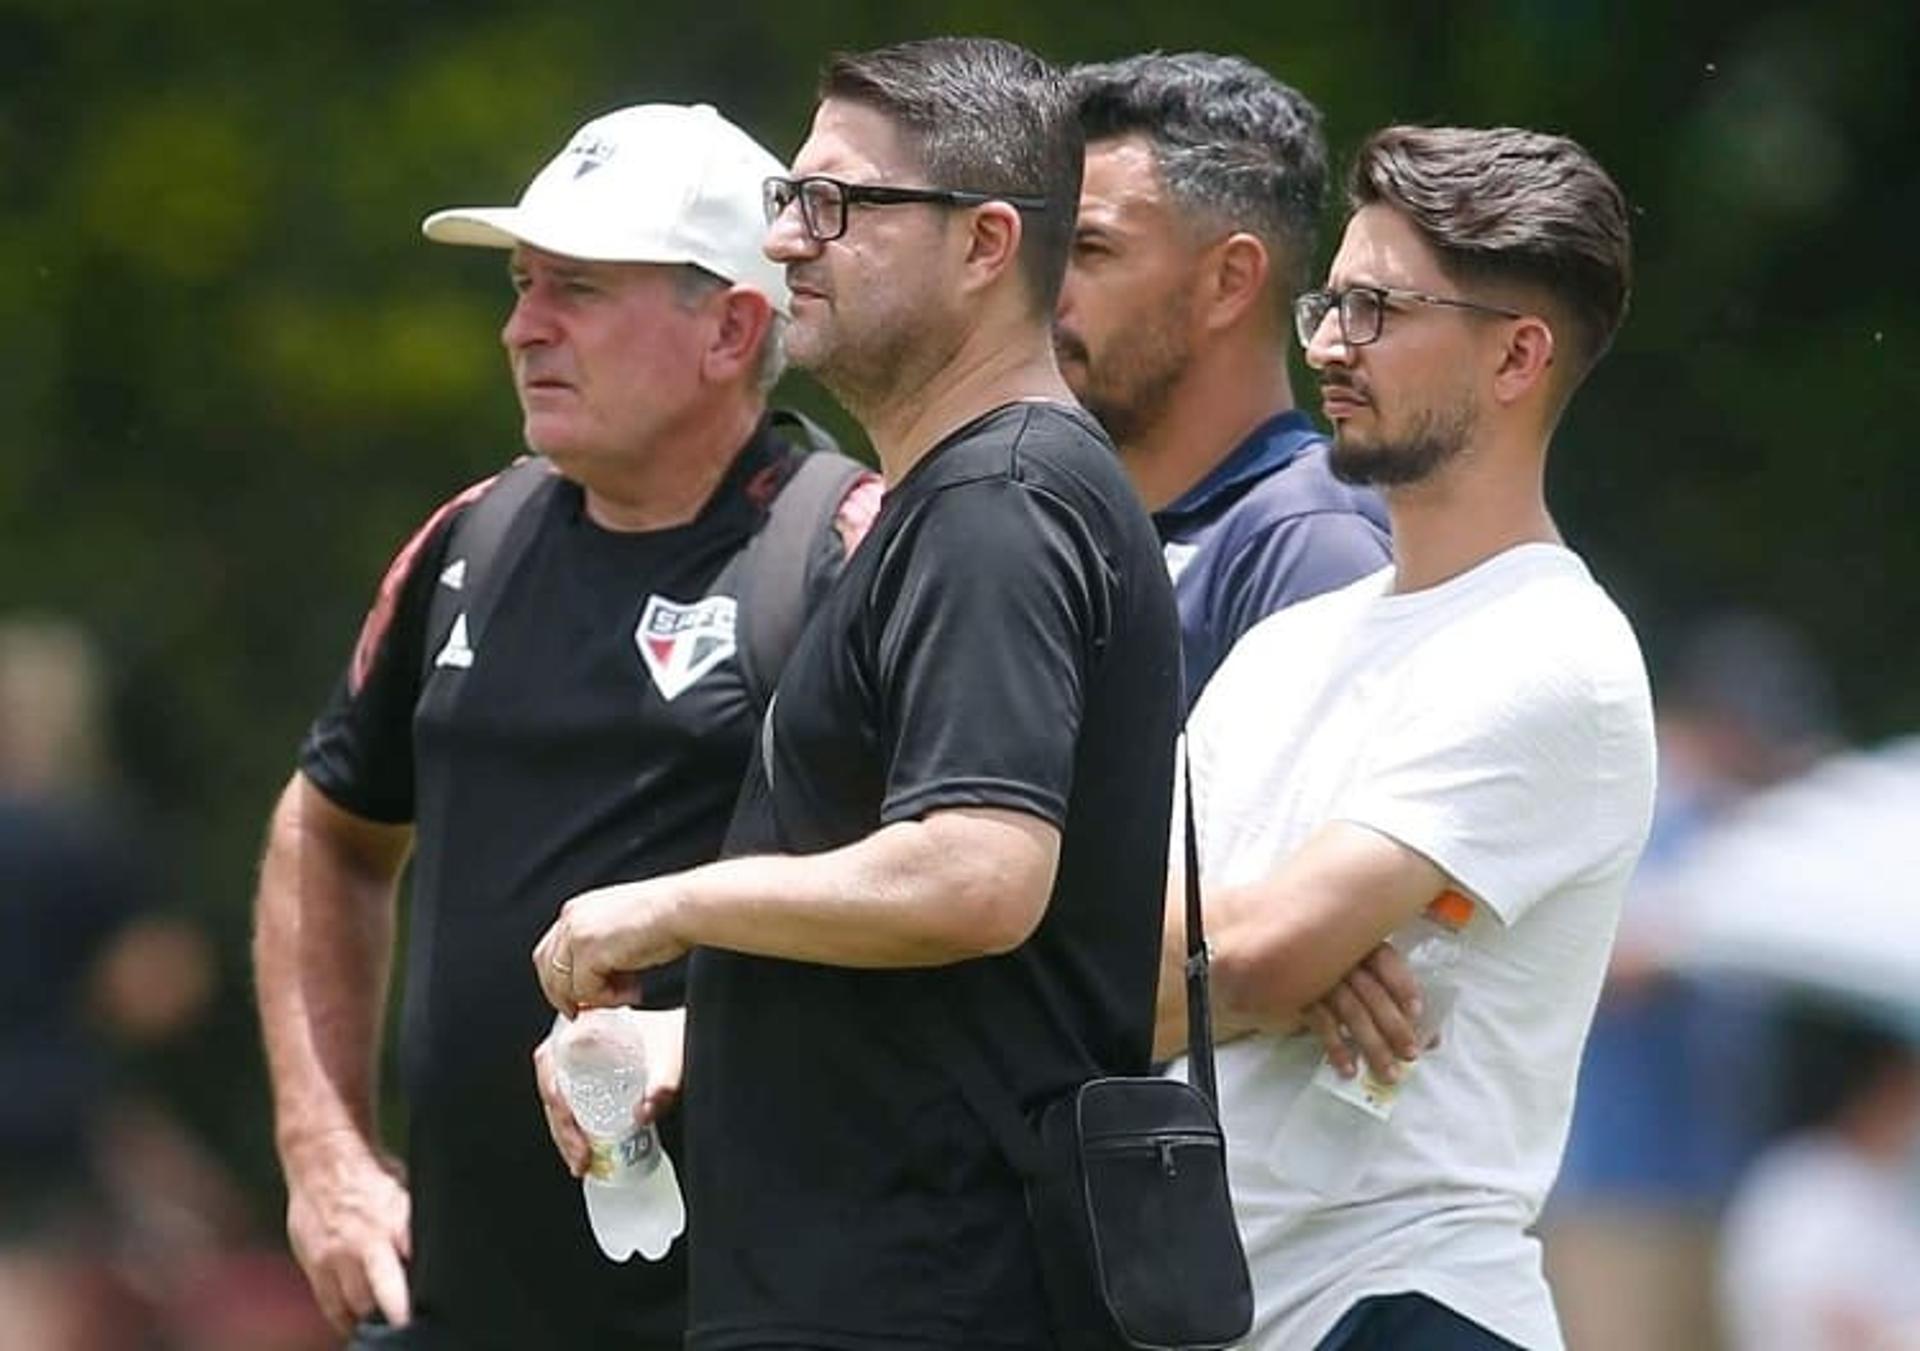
x: 824, y: 201
x: 1363, y: 311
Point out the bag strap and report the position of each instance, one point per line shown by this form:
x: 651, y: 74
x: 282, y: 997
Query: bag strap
x: 1200, y: 1072
x: 484, y: 539
x: 988, y: 1098
x: 771, y: 594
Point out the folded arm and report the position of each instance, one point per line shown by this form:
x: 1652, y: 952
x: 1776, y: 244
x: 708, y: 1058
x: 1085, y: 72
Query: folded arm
x: 1304, y: 947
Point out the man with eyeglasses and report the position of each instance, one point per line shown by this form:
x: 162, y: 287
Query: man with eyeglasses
x: 1462, y: 742
x: 550, y: 691
x: 1197, y: 217
x: 953, y: 842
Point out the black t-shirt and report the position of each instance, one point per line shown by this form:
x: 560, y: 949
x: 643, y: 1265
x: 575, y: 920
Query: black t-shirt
x: 594, y: 737
x: 1005, y: 637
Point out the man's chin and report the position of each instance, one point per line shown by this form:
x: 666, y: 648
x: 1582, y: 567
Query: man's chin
x: 1358, y: 464
x: 803, y: 346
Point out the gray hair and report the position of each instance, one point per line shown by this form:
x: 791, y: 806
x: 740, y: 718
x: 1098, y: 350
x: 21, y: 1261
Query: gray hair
x: 1231, y: 143
x: 693, y: 284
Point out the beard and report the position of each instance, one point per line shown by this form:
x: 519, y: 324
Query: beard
x: 1435, y: 439
x: 873, y: 359
x: 1130, y: 387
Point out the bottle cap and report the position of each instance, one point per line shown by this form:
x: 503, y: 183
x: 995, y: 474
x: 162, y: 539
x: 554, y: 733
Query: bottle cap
x: 1452, y: 908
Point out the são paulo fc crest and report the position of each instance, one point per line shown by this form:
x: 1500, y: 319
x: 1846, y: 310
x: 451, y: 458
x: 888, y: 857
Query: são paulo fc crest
x: 680, y: 643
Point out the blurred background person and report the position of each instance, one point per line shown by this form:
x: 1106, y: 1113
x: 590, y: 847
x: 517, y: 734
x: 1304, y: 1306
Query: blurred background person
x: 1822, y: 1238
x: 1678, y: 1087
x: 117, y: 1229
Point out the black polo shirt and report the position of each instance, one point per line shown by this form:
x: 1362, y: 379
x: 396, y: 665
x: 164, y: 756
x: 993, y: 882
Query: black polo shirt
x: 1006, y: 637
x: 580, y: 740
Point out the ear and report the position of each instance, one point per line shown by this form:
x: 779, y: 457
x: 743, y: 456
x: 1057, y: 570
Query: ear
x: 1525, y: 361
x: 993, y: 237
x: 733, y: 351
x: 1233, y: 278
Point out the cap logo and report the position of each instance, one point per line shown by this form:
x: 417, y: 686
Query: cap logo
x: 592, y: 152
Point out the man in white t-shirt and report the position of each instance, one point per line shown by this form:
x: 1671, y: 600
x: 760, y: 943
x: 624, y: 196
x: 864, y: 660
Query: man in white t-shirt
x: 1474, y: 719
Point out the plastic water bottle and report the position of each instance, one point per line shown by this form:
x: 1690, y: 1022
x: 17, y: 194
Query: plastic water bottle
x: 1336, y: 1124
x: 632, y: 1192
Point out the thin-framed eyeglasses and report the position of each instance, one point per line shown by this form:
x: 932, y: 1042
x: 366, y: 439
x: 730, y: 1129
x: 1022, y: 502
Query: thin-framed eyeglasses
x: 824, y: 201
x: 1363, y: 311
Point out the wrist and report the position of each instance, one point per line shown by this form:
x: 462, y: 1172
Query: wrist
x: 680, y: 910
x: 302, y: 1148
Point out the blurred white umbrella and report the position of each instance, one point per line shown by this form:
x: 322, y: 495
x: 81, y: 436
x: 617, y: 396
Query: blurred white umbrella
x: 1815, y: 883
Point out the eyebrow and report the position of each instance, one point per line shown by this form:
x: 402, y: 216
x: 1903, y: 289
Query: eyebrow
x: 559, y: 271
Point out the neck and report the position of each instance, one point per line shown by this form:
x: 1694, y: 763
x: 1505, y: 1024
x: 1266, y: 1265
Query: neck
x: 1489, y: 499
x: 667, y: 481
x: 1220, y: 398
x: 992, y: 365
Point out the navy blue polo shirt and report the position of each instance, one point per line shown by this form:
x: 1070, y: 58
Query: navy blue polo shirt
x: 1270, y: 525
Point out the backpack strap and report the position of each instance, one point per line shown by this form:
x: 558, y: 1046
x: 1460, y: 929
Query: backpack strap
x: 486, y: 542
x: 772, y: 579
x: 770, y: 576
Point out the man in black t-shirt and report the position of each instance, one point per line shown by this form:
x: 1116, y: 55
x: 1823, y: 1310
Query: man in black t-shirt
x: 953, y: 839
x: 579, y: 716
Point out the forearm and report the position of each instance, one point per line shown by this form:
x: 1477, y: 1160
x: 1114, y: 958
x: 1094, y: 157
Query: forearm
x: 322, y: 950
x: 954, y: 886
x: 1222, y: 920
x: 1285, y: 941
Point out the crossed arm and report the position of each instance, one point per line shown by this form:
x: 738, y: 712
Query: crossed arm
x: 1303, y: 948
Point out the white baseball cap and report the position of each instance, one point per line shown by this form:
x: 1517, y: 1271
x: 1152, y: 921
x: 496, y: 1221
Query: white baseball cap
x: 655, y: 183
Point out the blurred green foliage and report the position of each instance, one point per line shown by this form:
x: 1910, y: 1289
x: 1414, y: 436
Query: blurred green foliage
x: 235, y: 376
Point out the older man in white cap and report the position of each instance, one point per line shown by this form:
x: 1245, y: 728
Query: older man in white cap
x: 557, y: 687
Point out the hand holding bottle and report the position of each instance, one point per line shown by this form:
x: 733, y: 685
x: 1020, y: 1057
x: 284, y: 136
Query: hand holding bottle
x: 631, y: 1190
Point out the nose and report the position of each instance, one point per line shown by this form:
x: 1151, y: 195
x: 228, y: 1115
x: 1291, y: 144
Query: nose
x: 529, y: 322
x: 1063, y: 307
x: 1328, y: 346
x: 787, y: 238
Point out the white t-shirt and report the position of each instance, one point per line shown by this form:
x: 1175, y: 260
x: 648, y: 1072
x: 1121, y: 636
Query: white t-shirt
x: 1500, y: 725
x: 1820, y: 1250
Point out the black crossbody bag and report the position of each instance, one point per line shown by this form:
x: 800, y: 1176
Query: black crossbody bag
x: 1126, y: 1181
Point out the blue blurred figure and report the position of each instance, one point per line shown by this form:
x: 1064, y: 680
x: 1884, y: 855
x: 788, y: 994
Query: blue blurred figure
x: 1677, y: 1089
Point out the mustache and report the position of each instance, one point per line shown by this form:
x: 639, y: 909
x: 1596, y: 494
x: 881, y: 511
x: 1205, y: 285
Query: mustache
x: 527, y: 370
x: 800, y: 279
x: 1068, y: 347
x: 1345, y: 383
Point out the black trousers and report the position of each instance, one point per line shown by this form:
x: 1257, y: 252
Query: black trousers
x: 376, y: 1334
x: 1409, y: 1322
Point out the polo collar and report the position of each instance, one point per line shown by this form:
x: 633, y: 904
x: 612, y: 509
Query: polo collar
x: 1270, y: 447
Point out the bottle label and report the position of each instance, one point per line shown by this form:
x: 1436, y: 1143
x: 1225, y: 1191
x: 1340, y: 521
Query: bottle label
x: 635, y: 1156
x: 1373, y: 1096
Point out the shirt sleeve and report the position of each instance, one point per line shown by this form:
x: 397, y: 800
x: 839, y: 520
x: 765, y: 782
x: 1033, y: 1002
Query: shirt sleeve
x: 1516, y: 775
x: 359, y: 751
x: 1292, y: 560
x: 990, y: 609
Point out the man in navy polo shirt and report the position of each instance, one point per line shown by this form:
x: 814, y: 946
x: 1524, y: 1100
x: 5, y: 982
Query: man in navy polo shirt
x: 1204, y: 177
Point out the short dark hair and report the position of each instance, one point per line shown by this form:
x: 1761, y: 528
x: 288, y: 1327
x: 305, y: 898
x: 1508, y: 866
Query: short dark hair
x: 982, y: 115
x: 1230, y: 142
x: 1505, y: 204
